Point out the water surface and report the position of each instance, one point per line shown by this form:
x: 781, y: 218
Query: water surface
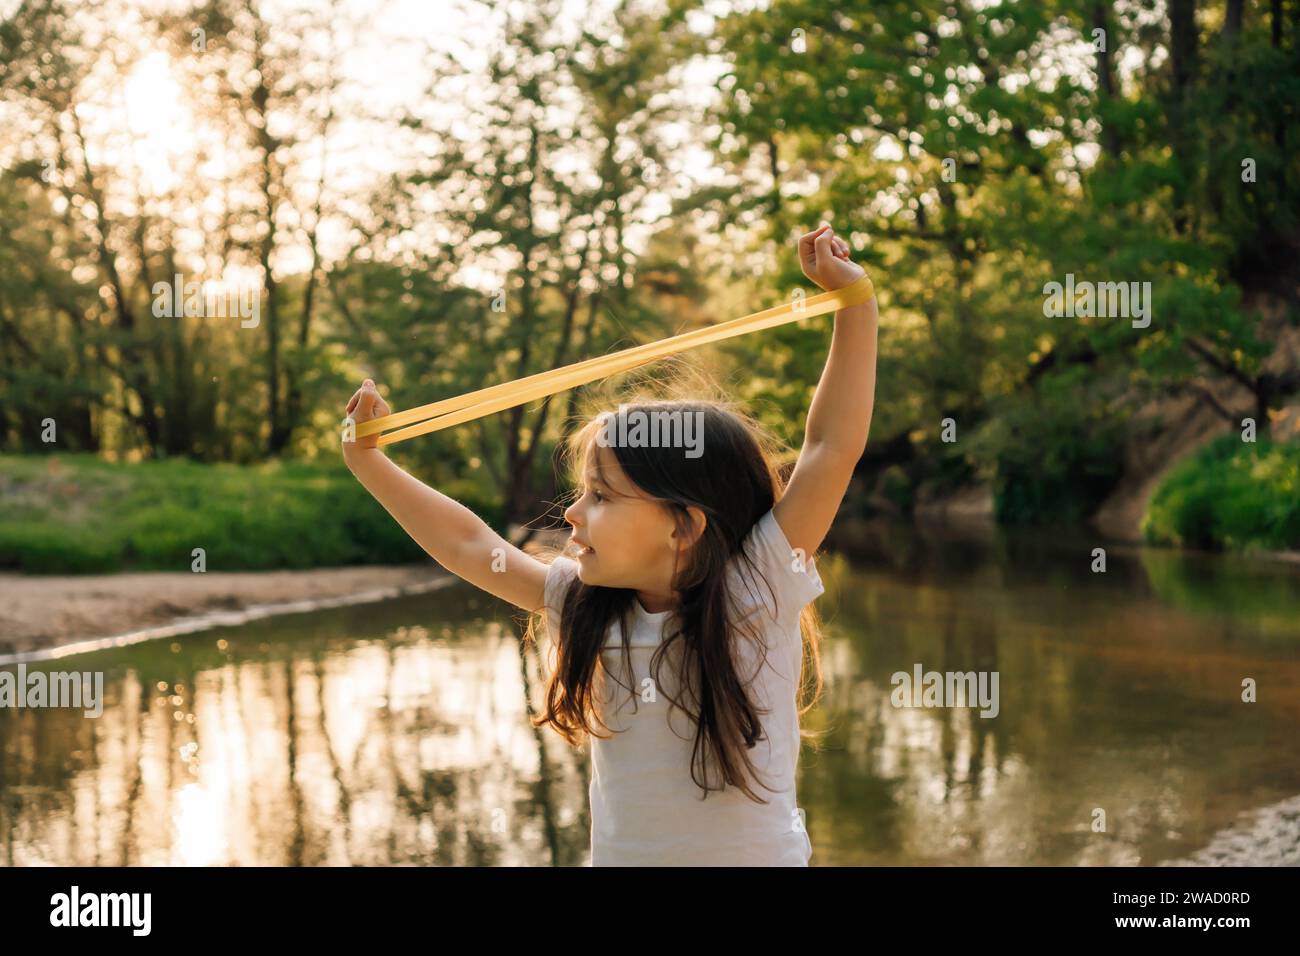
x: 397, y: 732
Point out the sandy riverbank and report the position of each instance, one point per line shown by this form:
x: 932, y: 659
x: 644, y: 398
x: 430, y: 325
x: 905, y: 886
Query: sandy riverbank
x: 39, y: 612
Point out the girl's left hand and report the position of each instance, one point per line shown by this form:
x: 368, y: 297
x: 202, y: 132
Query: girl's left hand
x: 825, y: 260
x: 364, y: 405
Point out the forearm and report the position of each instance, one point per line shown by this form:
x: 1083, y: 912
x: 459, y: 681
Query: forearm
x: 839, y: 418
x: 440, y: 525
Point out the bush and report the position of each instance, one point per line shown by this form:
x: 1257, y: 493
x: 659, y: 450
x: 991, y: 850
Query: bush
x: 1056, y: 467
x: 1230, y: 495
x: 45, y: 549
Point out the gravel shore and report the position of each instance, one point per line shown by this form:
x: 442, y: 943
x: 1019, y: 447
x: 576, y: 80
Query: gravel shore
x: 1269, y: 836
x: 38, y: 612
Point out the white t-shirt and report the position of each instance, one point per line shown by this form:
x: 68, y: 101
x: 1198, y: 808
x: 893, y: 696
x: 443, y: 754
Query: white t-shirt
x: 646, y: 810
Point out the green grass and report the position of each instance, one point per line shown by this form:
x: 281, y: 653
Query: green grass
x: 1231, y: 495
x: 70, y: 514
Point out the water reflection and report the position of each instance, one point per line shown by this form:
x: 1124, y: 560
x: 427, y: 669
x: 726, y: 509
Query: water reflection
x: 396, y: 733
x: 1117, y: 695
x: 343, y: 737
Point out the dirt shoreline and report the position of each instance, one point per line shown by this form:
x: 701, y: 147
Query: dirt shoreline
x: 38, y: 613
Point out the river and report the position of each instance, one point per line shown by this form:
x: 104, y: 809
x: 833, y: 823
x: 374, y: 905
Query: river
x: 397, y: 732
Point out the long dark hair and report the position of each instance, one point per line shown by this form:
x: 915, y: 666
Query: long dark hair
x: 735, y: 482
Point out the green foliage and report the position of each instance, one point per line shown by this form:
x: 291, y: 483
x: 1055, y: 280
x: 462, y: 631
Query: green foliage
x: 978, y: 173
x: 896, y: 489
x: 1053, y: 461
x: 77, y: 514
x: 1230, y: 494
x: 970, y: 153
x: 1066, y: 484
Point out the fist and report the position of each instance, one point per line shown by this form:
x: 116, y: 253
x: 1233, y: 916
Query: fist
x: 364, y: 405
x: 824, y: 258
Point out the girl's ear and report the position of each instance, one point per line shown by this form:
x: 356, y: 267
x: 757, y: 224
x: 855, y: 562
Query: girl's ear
x: 697, y: 521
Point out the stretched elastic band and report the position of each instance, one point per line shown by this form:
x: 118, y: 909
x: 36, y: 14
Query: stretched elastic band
x: 484, y: 401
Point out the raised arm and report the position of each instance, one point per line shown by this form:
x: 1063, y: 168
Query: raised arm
x: 839, y: 418
x: 452, y: 534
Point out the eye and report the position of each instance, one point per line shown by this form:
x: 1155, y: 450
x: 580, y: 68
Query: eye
x: 599, y: 496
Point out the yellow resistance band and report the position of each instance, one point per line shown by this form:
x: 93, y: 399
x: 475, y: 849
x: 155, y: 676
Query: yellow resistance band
x: 465, y: 408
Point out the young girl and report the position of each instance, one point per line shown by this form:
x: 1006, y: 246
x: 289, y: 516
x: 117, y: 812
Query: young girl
x: 677, y: 622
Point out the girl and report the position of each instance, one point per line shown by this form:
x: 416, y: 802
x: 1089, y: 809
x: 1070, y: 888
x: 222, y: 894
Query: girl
x: 677, y: 619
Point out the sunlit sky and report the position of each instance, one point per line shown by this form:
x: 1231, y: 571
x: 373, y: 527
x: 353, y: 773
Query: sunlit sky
x: 141, y: 125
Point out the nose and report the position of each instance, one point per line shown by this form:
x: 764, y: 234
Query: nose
x: 572, y: 514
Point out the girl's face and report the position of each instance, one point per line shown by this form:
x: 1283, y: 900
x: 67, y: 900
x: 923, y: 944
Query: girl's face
x: 627, y: 539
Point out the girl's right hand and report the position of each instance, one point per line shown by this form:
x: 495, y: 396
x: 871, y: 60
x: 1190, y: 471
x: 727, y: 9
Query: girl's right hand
x: 824, y: 258
x: 365, y: 405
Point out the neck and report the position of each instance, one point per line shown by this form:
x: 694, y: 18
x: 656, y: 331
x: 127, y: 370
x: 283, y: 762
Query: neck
x: 653, y: 602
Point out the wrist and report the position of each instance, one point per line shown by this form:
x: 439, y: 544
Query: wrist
x: 859, y: 312
x: 863, y: 281
x: 356, y: 455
